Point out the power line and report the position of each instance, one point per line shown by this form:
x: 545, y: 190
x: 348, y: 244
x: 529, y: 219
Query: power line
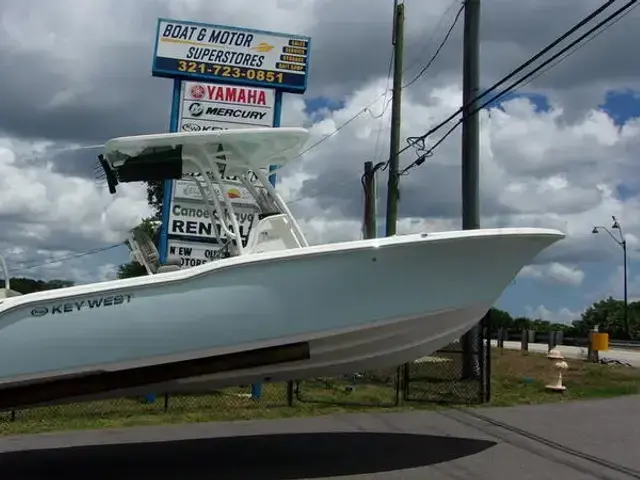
x: 516, y: 71
x: 421, y: 73
x: 437, y: 52
x: 386, y: 104
x: 568, y: 54
x: 70, y: 257
x: 418, y: 142
x: 433, y: 33
x: 384, y: 94
x: 337, y: 129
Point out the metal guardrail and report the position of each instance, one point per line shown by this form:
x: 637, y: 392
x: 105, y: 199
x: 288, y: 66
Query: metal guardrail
x: 543, y: 337
x: 628, y: 344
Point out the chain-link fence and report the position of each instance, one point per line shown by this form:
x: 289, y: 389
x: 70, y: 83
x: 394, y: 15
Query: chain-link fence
x: 235, y: 402
x: 438, y: 378
x: 379, y: 388
x: 457, y: 374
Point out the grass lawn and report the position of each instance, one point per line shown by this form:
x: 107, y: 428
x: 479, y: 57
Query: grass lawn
x: 517, y: 378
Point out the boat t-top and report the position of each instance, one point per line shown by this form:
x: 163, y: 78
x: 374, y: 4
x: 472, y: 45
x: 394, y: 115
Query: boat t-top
x: 271, y: 308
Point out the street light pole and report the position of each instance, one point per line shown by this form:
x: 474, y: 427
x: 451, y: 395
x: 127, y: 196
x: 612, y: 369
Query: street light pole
x: 623, y: 243
x: 626, y: 299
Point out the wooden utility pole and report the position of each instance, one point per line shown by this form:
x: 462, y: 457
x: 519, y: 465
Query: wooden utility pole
x: 393, y: 192
x: 470, y: 158
x: 370, y: 197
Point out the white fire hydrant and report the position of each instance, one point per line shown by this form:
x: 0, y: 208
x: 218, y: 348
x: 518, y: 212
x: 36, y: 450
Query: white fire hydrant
x: 560, y: 366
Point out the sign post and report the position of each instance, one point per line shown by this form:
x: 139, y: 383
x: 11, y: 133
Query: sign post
x: 224, y: 77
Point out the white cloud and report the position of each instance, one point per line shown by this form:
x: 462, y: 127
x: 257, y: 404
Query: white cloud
x: 535, y: 170
x: 46, y: 216
x: 554, y: 272
x: 537, y: 167
x: 563, y: 315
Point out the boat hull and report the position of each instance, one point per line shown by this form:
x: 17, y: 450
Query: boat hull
x: 368, y: 348
x: 358, y: 305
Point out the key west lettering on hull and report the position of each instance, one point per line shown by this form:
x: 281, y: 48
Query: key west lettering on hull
x: 78, y: 305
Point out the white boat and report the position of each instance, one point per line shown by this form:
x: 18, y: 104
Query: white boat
x: 272, y: 309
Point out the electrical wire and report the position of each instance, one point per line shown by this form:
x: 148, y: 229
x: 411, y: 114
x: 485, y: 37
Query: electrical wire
x: 70, y: 257
x: 387, y: 103
x: 427, y: 65
x: 420, y: 74
x: 524, y: 65
x: 418, y: 142
x: 563, y: 58
x: 385, y: 93
x: 337, y: 129
x: 437, y: 52
x: 433, y: 33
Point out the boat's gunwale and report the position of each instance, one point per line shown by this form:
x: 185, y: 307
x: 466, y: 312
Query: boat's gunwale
x: 113, y: 287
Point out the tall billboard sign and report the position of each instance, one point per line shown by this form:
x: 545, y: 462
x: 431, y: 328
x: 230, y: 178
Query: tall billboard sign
x: 224, y: 77
x: 217, y: 53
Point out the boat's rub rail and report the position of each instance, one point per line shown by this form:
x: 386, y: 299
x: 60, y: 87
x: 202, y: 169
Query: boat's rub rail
x: 49, y: 389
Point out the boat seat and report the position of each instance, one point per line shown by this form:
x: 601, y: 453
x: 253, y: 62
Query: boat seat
x: 273, y: 233
x: 144, y: 249
x: 172, y: 265
x: 8, y: 293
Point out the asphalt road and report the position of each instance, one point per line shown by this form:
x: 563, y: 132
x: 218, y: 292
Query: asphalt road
x: 572, y: 441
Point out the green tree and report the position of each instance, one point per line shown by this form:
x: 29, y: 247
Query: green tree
x: 521, y: 323
x: 540, y: 325
x: 131, y: 269
x: 608, y: 315
x: 500, y: 319
x: 29, y: 285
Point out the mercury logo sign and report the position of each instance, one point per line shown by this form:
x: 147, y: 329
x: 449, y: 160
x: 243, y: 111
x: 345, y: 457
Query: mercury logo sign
x: 196, y: 109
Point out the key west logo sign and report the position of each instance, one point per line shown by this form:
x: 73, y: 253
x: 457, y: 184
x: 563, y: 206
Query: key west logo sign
x: 78, y: 305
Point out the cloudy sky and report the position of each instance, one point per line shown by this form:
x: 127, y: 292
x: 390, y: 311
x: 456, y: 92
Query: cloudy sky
x: 563, y: 152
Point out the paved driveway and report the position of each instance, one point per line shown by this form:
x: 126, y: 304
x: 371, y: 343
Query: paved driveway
x: 573, y: 441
